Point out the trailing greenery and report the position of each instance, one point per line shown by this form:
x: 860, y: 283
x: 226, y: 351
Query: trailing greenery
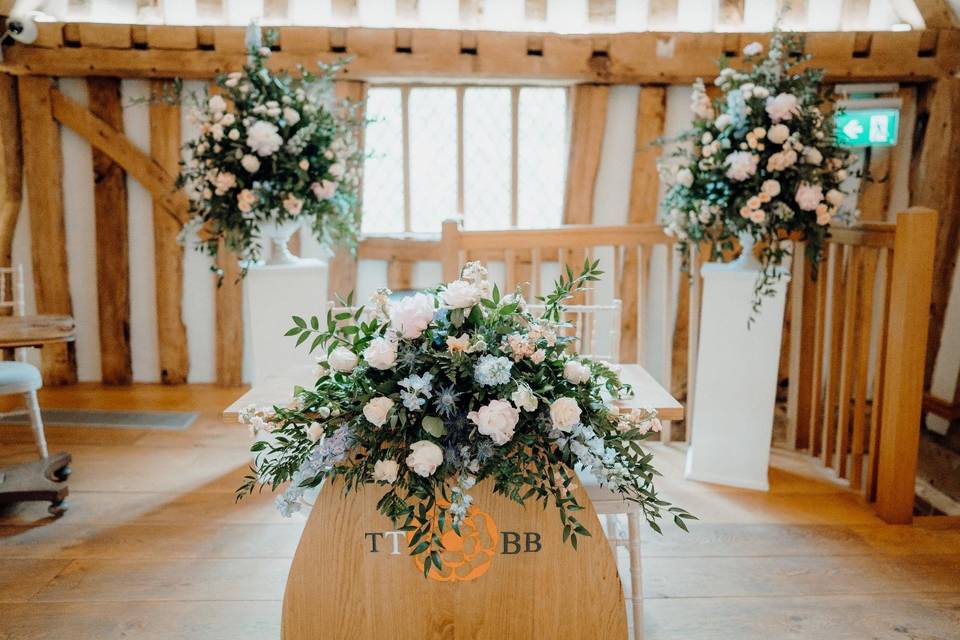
x: 430, y: 394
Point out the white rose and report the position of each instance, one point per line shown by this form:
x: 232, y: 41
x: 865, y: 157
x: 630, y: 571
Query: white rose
x: 411, y: 316
x: 771, y: 188
x: 685, y: 178
x: 575, y: 372
x: 376, y: 410
x: 753, y: 49
x: 424, y: 458
x: 228, y: 119
x: 385, y: 471
x: 808, y: 196
x: 461, y: 294
x: 538, y: 356
x: 778, y: 133
x: 498, y: 419
x: 783, y: 106
x: 381, y: 353
x: 250, y: 163
x: 564, y: 414
x: 812, y: 155
x: 524, y: 398
x: 836, y: 197
x: 324, y: 190
x: 741, y: 165
x: 314, y: 431
x: 291, y: 115
x: 263, y: 138
x: 217, y: 104
x: 723, y: 121
x: 343, y: 360
x: 234, y: 134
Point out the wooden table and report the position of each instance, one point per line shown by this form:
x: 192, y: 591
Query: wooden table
x: 277, y: 389
x: 43, y: 479
x: 351, y: 576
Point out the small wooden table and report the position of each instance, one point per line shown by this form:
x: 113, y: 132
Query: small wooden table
x: 277, y: 389
x: 43, y: 479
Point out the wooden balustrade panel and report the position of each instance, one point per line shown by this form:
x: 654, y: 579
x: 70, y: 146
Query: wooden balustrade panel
x: 847, y: 359
x: 834, y: 353
x: 865, y: 340
x: 510, y: 576
x: 876, y: 414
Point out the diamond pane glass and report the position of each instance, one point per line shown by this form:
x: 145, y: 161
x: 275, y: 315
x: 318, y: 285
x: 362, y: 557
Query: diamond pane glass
x: 542, y: 156
x: 433, y: 157
x: 486, y: 158
x: 383, y: 168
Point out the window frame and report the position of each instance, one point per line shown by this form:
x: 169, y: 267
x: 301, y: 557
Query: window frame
x: 461, y: 88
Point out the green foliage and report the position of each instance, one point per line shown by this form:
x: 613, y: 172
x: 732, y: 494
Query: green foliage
x: 532, y: 464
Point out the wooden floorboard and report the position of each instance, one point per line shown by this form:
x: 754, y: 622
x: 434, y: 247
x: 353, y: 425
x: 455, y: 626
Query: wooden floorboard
x: 154, y: 546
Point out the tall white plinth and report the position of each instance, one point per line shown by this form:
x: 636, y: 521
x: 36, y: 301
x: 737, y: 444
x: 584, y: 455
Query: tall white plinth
x: 736, y: 380
x: 275, y: 293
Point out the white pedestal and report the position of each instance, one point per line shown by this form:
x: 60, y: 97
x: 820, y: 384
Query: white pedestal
x: 736, y: 382
x: 275, y: 293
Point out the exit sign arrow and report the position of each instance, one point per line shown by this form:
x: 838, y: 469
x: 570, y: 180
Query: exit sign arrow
x: 867, y: 127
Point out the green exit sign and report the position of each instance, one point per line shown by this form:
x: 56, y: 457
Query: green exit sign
x: 867, y: 127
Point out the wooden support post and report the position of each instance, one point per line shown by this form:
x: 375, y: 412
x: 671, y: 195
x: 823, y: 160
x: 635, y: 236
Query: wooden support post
x: 113, y: 256
x: 229, y: 322
x: 450, y: 250
x: 910, y: 291
x: 644, y: 197
x: 168, y: 253
x: 11, y: 166
x: 343, y: 265
x: 43, y: 167
x: 935, y: 183
x: 803, y: 327
x: 586, y: 145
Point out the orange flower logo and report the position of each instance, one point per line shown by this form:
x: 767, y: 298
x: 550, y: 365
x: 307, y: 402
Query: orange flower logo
x: 469, y: 555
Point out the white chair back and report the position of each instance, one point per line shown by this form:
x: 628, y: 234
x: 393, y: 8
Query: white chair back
x: 595, y: 326
x: 11, y: 290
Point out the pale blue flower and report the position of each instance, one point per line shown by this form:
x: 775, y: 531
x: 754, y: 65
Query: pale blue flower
x: 492, y: 371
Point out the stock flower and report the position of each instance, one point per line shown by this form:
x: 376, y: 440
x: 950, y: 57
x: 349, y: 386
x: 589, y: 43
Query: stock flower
x: 412, y: 315
x: 565, y: 414
x: 685, y: 177
x: 343, y: 360
x: 263, y: 138
x: 292, y: 116
x: 497, y: 419
x: 217, y: 104
x: 224, y: 182
x: 377, y: 409
x: 381, y: 353
x: 385, y: 471
x: 424, y: 458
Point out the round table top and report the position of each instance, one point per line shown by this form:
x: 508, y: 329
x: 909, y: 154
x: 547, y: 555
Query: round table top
x: 35, y: 331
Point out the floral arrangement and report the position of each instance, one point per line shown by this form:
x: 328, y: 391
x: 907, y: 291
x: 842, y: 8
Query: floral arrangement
x: 273, y: 149
x: 431, y: 394
x: 763, y: 162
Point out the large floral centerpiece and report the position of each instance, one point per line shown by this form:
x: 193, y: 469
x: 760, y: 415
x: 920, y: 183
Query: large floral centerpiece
x: 426, y: 396
x: 273, y: 150
x: 761, y: 162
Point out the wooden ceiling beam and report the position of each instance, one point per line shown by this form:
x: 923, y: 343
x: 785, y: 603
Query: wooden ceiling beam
x: 937, y: 14
x: 646, y: 58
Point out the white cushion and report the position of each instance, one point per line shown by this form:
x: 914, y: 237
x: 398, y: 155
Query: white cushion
x: 19, y: 377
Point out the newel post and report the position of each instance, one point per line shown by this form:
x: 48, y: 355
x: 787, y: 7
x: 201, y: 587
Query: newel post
x: 910, y: 292
x: 450, y: 250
